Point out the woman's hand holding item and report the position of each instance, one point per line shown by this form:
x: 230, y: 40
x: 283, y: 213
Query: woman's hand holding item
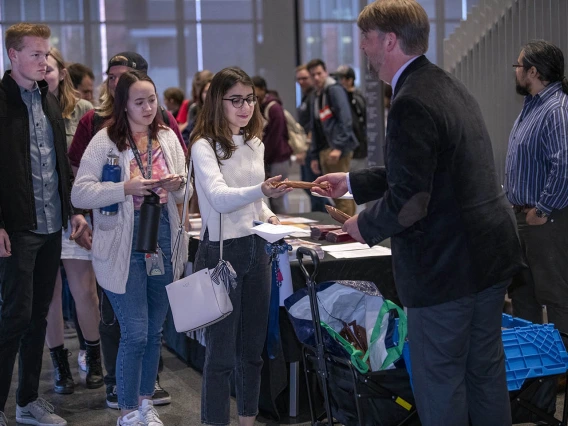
x: 170, y: 182
x: 270, y: 191
x: 139, y: 186
x: 273, y: 220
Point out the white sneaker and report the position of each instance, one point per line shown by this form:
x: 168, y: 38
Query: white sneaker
x: 39, y: 413
x: 149, y: 414
x: 82, y: 360
x: 3, y: 419
x: 131, y: 419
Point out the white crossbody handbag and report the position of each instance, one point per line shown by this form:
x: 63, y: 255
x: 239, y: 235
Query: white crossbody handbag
x: 202, y: 298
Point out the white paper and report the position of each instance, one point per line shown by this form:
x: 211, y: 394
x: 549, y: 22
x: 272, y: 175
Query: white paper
x: 273, y: 233
x: 353, y: 254
x: 345, y: 247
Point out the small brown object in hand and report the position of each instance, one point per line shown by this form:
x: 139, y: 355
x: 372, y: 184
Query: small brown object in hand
x: 337, y: 214
x: 297, y: 184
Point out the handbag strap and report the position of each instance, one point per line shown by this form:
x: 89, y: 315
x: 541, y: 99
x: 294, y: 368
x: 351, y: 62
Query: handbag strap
x: 185, y: 206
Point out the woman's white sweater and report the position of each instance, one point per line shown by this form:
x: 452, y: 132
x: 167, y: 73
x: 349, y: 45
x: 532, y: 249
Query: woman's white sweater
x: 112, y: 235
x: 233, y: 188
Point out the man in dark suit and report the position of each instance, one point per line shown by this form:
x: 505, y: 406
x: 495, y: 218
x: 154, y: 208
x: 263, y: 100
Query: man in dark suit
x: 453, y: 235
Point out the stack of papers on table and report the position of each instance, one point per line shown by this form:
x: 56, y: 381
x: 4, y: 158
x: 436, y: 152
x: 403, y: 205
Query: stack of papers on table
x: 355, y: 250
x: 273, y: 233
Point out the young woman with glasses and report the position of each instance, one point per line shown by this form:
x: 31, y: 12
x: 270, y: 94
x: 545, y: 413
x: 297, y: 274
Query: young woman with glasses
x: 228, y: 159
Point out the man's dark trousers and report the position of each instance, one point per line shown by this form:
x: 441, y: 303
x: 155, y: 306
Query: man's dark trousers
x: 27, y: 283
x: 545, y: 248
x: 458, y: 364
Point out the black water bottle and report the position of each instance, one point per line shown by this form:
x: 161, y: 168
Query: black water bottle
x: 150, y: 211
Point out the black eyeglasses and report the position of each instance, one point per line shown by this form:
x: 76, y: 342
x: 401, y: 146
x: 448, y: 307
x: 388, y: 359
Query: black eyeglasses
x: 239, y: 102
x: 517, y: 66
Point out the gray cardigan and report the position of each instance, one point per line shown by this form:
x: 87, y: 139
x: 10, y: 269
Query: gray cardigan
x: 112, y: 235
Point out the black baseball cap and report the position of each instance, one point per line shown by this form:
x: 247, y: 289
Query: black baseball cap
x: 128, y: 59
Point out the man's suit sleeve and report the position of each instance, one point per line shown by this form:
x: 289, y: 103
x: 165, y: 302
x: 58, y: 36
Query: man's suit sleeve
x: 368, y: 184
x: 411, y: 158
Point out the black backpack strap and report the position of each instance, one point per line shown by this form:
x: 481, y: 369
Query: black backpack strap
x: 97, y: 123
x: 165, y: 116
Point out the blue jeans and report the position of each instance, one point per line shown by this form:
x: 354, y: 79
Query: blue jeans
x: 141, y: 312
x: 235, y: 344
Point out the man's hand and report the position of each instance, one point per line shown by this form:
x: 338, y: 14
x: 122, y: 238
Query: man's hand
x: 533, y: 219
x: 5, y: 246
x: 315, y: 166
x: 337, y: 185
x: 352, y: 228
x: 78, y: 226
x: 334, y: 156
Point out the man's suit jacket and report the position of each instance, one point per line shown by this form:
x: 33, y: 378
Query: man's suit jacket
x: 452, y: 231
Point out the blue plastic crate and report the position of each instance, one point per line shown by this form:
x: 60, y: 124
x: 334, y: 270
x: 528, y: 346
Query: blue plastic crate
x: 531, y: 350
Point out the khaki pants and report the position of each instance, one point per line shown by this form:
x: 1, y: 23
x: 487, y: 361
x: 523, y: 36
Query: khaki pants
x: 346, y: 206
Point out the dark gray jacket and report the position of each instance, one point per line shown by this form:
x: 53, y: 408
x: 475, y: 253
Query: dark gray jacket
x: 452, y: 230
x: 17, y: 203
x: 338, y: 129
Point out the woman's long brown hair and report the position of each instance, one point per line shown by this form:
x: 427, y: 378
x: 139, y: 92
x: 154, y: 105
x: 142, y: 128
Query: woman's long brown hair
x: 211, y: 123
x: 68, y: 96
x: 118, y: 125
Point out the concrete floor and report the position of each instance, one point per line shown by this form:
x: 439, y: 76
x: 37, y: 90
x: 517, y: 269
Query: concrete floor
x: 87, y: 407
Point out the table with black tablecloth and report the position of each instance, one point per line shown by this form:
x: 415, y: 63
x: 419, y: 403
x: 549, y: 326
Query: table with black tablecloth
x: 276, y: 372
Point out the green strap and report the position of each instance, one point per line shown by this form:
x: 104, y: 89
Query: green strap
x: 393, y: 353
x: 355, y: 354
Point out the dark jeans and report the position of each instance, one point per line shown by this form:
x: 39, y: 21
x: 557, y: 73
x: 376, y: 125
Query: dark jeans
x: 110, y: 338
x: 27, y: 285
x: 458, y: 362
x: 234, y: 345
x: 545, y: 248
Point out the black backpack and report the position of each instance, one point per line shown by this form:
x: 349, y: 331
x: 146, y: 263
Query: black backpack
x: 359, y: 118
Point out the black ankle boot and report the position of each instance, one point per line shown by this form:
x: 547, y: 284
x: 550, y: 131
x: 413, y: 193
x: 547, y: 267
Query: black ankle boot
x: 63, y: 379
x: 94, y: 378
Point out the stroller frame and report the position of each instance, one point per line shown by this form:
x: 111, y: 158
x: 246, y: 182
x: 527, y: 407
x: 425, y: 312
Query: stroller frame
x: 321, y: 358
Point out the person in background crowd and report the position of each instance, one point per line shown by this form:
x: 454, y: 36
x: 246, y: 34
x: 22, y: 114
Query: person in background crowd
x: 199, y: 79
x: 151, y: 160
x: 439, y: 211
x: 346, y: 76
x: 88, y: 126
x: 333, y: 140
x: 83, y: 80
x: 35, y: 185
x: 175, y: 102
x: 229, y: 178
x: 536, y: 183
x: 303, y: 112
x: 196, y: 108
x: 76, y: 259
x: 277, y: 151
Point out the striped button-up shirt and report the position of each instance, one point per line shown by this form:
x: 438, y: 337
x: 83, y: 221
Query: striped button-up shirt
x: 44, y: 165
x: 537, y: 158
